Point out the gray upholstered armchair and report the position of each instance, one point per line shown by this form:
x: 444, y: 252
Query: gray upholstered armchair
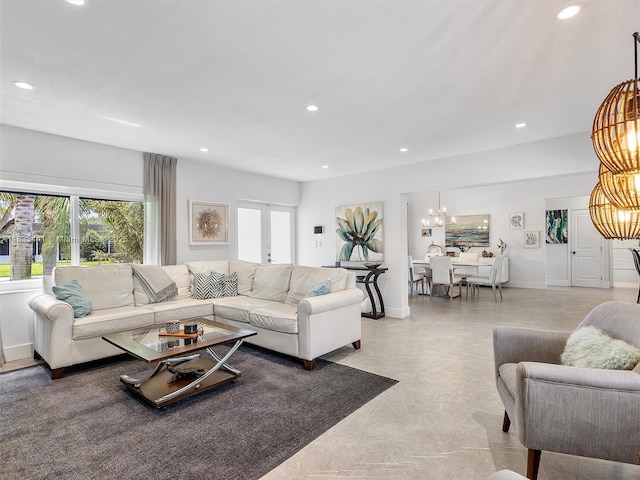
x: 578, y: 411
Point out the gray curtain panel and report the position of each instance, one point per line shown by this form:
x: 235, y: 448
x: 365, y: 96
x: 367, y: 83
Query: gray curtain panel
x: 160, y: 203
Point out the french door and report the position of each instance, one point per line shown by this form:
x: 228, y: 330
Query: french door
x: 266, y: 233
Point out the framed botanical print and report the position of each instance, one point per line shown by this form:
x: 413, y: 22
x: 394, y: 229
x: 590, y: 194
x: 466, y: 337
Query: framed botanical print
x: 208, y: 223
x: 532, y: 239
x: 516, y: 221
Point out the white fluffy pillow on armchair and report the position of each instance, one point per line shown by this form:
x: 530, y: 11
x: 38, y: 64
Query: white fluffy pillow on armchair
x: 590, y: 347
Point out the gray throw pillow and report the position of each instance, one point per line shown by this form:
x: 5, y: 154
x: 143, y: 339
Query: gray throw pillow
x: 74, y: 295
x: 590, y: 347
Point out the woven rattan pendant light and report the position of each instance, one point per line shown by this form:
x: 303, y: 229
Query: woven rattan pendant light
x: 622, y: 189
x: 616, y: 126
x: 610, y: 221
x: 614, y: 204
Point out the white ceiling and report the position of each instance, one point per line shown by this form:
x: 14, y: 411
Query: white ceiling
x: 440, y: 77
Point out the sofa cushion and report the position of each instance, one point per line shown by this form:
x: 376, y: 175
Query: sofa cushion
x: 272, y: 282
x: 237, y: 308
x: 111, y: 320
x: 107, y: 286
x: 590, y: 347
x: 303, y: 279
x: 179, y: 274
x: 74, y: 295
x: 246, y: 272
x: 201, y: 266
x: 278, y: 317
x: 180, y: 309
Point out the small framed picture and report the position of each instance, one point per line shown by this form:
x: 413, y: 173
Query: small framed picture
x: 426, y: 232
x: 516, y: 221
x: 532, y: 239
x: 208, y: 223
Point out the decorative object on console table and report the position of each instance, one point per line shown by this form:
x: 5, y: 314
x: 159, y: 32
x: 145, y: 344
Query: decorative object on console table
x: 516, y: 221
x: 208, y: 223
x: 557, y: 226
x: 469, y: 230
x: 360, y: 234
x: 532, y: 239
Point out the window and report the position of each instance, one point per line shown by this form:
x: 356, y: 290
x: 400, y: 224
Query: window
x: 39, y: 232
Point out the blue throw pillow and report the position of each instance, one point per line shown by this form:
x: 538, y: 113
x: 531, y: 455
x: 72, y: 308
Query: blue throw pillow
x: 74, y: 295
x: 320, y: 289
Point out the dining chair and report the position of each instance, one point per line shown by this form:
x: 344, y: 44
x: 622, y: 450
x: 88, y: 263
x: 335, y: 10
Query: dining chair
x: 442, y: 274
x: 636, y: 260
x: 462, y: 273
x: 414, y: 277
x: 492, y: 280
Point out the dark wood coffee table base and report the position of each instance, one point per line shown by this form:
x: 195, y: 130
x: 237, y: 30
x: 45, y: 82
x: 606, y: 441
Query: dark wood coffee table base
x: 156, y: 387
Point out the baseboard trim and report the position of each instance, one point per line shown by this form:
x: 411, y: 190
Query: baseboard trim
x: 398, y: 312
x: 18, y: 352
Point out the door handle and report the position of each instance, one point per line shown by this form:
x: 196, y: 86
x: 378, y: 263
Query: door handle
x: 573, y: 252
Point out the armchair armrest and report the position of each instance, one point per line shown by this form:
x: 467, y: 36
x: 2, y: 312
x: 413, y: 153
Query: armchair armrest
x: 579, y: 411
x: 515, y: 345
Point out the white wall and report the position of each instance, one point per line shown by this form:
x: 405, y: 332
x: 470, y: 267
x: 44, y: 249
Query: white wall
x: 571, y: 159
x: 199, y: 181
x: 54, y: 164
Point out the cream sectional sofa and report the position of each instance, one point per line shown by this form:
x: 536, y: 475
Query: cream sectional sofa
x: 270, y: 301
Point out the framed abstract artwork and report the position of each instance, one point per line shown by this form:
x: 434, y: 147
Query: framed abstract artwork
x: 467, y: 231
x: 516, y: 221
x: 208, y: 223
x: 532, y: 239
x: 360, y: 232
x: 557, y: 226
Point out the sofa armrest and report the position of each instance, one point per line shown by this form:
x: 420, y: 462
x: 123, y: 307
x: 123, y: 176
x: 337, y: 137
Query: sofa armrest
x: 578, y: 411
x: 53, y: 329
x: 515, y: 345
x: 328, y: 322
x: 49, y: 307
x: 331, y: 301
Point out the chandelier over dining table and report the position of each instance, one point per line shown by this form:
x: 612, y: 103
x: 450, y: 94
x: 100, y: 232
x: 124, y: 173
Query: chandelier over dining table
x: 439, y: 218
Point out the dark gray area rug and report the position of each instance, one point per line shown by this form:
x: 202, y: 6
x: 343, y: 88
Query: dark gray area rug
x: 87, y: 425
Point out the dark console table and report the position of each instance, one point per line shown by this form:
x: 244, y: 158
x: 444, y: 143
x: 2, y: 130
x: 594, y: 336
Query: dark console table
x: 371, y: 278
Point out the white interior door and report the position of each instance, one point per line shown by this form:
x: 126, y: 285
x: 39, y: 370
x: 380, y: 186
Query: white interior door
x: 586, y: 251
x: 266, y: 233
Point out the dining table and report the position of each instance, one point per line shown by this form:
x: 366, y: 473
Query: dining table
x: 455, y: 265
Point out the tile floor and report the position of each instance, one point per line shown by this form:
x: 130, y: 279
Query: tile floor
x: 443, y: 419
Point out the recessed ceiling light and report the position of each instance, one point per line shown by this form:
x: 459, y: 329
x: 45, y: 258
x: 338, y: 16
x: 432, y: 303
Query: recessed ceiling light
x: 568, y: 12
x: 23, y: 85
x: 520, y: 125
x: 204, y: 149
x: 75, y: 3
x: 404, y: 149
x: 312, y: 108
x: 325, y: 166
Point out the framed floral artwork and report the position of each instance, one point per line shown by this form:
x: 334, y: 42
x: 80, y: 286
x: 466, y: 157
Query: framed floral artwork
x: 208, y: 223
x: 532, y: 239
x: 516, y: 221
x: 359, y: 230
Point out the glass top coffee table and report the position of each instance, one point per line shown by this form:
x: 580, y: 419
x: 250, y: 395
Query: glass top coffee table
x: 184, y: 365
